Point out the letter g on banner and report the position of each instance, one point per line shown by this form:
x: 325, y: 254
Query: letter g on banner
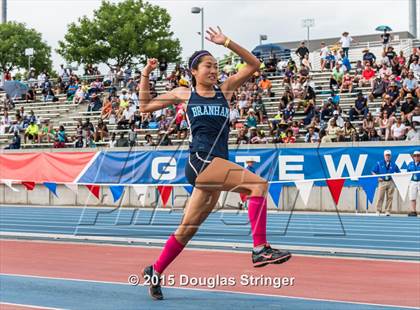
x: 164, y: 168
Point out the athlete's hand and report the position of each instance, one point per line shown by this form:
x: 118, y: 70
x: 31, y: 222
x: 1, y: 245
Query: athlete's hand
x: 216, y: 36
x: 152, y: 64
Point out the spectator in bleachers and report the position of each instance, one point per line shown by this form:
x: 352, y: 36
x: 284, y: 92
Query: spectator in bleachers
x: 79, y: 143
x: 302, y: 51
x: 251, y: 120
x: 362, y: 134
x: 379, y: 87
x: 5, y: 123
x: 337, y: 118
x: 306, y: 63
x: 386, y: 38
x: 385, y: 60
x: 87, y: 125
x: 265, y: 85
x: 325, y: 50
x: 373, y: 135
x: 47, y: 131
x: 368, y: 57
x: 385, y: 124
x: 390, y: 53
x: 113, y: 141
x: 234, y: 115
x: 311, y: 136
x: 30, y: 95
x: 415, y: 68
x: 413, y: 134
x: 368, y: 76
x: 324, y: 137
x: 125, y: 119
x: 410, y: 86
x: 101, y: 131
x: 163, y: 138
x: 16, y: 141
x: 368, y: 122
x: 242, y: 137
x: 79, y: 95
x: 336, y: 77
x: 90, y: 141
x: 260, y: 138
x: 358, y: 71
x: 345, y: 42
x: 389, y: 107
x: 71, y: 90
x: 289, y: 113
x: 360, y: 107
x: 347, y: 84
x: 48, y: 94
x: 407, y: 107
x: 334, y: 132
x: 384, y: 71
x: 394, y: 93
x: 95, y: 103
x: 132, y: 135
x: 243, y: 104
x: 286, y: 98
x: 414, y: 55
x: 349, y: 132
x: 31, y: 132
x: 401, y: 58
x: 290, y: 137
x: 122, y: 141
x: 398, y: 130
x: 259, y: 108
x: 60, y: 138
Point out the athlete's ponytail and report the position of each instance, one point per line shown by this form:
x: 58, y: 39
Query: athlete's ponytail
x: 194, y: 61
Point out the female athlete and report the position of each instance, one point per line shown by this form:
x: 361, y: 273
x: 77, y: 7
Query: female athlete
x: 208, y: 168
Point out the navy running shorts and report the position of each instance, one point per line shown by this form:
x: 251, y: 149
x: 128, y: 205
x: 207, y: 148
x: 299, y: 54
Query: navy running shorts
x: 196, y: 163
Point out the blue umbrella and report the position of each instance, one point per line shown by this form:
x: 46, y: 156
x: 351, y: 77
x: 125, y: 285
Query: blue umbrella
x: 15, y: 89
x: 383, y: 28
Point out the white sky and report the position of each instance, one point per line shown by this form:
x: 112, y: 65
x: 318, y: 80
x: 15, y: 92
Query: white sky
x: 241, y: 20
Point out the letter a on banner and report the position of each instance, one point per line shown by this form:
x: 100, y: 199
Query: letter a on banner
x: 304, y: 188
x: 165, y: 192
x: 275, y: 192
x: 402, y: 182
x: 94, y: 189
x: 335, y: 186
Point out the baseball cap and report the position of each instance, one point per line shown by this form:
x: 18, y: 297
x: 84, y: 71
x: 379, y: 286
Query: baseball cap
x: 416, y: 153
x: 387, y: 152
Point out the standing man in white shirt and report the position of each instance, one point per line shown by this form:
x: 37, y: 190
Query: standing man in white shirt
x: 345, y: 42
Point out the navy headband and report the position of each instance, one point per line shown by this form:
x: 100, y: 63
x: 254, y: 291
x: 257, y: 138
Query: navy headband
x: 197, y: 57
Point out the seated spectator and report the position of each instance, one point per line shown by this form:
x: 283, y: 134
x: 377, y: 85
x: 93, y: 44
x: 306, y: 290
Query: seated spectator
x: 394, y: 93
x: 325, y: 50
x: 379, y: 88
x: 87, y: 125
x: 311, y: 136
x: 368, y: 57
x: 5, y: 123
x: 368, y: 122
x: 149, y: 140
x: 334, y: 132
x: 122, y: 141
x: 388, y: 106
x: 259, y: 107
x: 398, y: 130
x: 101, y: 131
x: 47, y: 131
x: 362, y: 134
x: 251, y: 120
x: 310, y: 112
x: 79, y: 143
x: 126, y: 118
x: 349, y: 132
x: 360, y: 107
x: 113, y: 141
x: 289, y: 113
x: 61, y: 138
x: 415, y: 68
x: 373, y: 135
x: 324, y: 137
x: 233, y: 115
x: 368, y: 76
x: 259, y: 138
x: 242, y: 137
x: 327, y: 111
x: 95, y: 103
x: 71, y: 90
x: 306, y: 63
x: 15, y: 145
x: 410, y: 86
x: 336, y: 77
x: 384, y: 71
x: 401, y: 58
x: 337, y: 118
x: 407, y: 107
x: 79, y: 95
x: 290, y: 138
x: 347, y: 84
x: 358, y: 72
x: 413, y: 134
x: 385, y: 124
x: 286, y: 98
x: 265, y: 85
x: 31, y: 132
x: 163, y: 138
x: 30, y: 95
x: 384, y: 61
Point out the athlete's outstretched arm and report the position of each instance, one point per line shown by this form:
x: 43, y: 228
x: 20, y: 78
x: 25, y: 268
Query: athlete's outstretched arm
x: 236, y: 80
x: 146, y: 103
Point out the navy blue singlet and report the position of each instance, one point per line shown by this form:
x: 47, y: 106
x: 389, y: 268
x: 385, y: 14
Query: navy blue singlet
x: 209, y: 124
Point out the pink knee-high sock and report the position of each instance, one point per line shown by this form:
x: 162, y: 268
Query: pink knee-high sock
x: 257, y: 213
x: 171, y: 250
